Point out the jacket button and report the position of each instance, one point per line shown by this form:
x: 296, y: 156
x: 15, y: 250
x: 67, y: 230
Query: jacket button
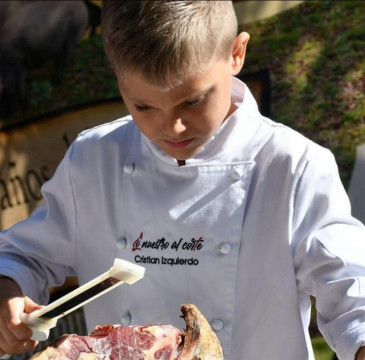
x: 237, y: 174
x: 129, y: 168
x: 217, y: 324
x: 225, y: 248
x: 122, y: 242
x: 126, y: 319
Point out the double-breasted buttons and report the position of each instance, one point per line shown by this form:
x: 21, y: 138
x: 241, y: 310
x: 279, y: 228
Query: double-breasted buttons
x: 126, y: 318
x: 184, y: 251
x: 129, y: 168
x: 224, y: 248
x: 217, y: 324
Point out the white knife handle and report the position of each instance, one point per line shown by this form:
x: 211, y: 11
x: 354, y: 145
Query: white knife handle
x: 40, y: 327
x: 126, y: 271
x: 39, y: 334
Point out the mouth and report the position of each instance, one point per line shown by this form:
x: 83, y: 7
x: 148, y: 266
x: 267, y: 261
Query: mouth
x: 178, y: 144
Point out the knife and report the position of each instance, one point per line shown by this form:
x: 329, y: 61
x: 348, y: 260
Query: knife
x: 42, y: 320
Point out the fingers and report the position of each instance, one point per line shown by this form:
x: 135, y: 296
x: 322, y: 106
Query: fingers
x: 30, y: 305
x: 15, y: 335
x: 16, y: 346
x: 12, y: 343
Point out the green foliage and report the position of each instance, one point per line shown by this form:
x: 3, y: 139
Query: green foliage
x: 42, y: 92
x: 316, y: 60
x: 315, y: 53
x: 88, y: 78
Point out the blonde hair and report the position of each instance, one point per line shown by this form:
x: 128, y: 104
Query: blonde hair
x: 167, y: 41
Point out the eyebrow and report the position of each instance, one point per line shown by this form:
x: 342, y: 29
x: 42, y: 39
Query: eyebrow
x: 192, y: 97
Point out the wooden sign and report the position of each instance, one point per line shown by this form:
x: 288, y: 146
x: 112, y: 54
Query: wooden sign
x: 30, y: 153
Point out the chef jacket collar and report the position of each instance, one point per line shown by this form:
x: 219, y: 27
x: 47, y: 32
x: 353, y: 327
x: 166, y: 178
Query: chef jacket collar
x: 234, y: 134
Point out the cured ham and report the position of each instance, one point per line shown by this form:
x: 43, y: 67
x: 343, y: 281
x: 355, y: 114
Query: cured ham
x: 140, y: 342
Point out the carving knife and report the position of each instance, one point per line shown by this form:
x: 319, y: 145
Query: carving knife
x: 42, y: 320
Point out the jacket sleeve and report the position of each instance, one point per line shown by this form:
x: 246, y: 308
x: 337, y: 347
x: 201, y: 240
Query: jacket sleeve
x: 39, y: 252
x: 329, y: 255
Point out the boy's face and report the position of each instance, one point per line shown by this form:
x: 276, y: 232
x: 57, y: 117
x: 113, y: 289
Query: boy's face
x: 183, y: 119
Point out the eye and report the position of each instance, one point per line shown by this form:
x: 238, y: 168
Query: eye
x: 141, y: 108
x: 196, y: 102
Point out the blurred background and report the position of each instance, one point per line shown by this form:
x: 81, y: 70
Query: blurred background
x: 305, y: 65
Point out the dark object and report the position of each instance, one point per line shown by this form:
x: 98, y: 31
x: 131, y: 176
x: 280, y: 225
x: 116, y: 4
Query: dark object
x: 32, y: 33
x: 94, y: 16
x: 260, y: 85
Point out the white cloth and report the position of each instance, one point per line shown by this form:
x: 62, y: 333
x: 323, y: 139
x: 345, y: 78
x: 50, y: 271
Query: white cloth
x: 248, y: 230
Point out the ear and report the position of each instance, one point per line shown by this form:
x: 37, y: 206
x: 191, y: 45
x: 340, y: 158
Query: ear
x: 239, y: 52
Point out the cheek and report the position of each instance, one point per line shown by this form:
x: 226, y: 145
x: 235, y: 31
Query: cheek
x: 207, y: 122
x: 219, y: 106
x: 145, y: 124
x: 215, y: 115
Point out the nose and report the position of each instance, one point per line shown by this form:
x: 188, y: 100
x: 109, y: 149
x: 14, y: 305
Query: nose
x: 173, y: 125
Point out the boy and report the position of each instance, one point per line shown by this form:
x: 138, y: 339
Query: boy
x: 226, y: 209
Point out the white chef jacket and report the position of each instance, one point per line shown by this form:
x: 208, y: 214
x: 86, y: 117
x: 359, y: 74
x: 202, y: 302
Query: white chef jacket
x: 247, y: 230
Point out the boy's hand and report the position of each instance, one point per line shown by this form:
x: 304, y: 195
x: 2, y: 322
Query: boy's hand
x: 360, y: 355
x: 14, y: 335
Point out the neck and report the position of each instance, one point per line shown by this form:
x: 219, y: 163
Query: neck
x: 181, y: 162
